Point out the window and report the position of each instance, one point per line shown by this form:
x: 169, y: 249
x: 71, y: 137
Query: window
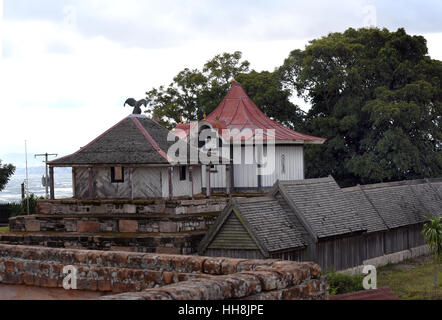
x: 117, y: 174
x: 283, y: 164
x: 183, y: 173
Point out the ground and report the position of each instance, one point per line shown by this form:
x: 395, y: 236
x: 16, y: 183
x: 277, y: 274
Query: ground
x: 411, y: 279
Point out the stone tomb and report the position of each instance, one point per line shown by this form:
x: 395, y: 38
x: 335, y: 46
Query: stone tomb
x: 138, y: 276
x: 150, y: 226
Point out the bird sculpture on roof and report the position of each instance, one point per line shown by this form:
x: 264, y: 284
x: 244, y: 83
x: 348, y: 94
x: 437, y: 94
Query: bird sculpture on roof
x: 136, y: 104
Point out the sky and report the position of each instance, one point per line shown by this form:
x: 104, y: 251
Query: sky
x: 66, y: 66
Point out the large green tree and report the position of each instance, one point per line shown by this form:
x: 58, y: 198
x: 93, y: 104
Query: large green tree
x: 6, y: 172
x: 376, y: 96
x: 194, y: 93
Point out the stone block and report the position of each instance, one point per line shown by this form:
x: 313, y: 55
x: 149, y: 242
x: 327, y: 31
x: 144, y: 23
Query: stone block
x: 130, y: 209
x: 88, y: 226
x: 168, y: 227
x: 123, y: 249
x: 104, y: 286
x: 128, y: 226
x: 163, y: 250
x: 32, y: 226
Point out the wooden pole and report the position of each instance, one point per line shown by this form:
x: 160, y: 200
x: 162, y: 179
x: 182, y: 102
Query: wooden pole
x: 22, y: 191
x: 91, y: 183
x: 208, y: 187
x: 74, y: 183
x: 51, y: 182
x: 192, y: 191
x: 131, y: 183
x: 170, y: 171
x: 228, y: 180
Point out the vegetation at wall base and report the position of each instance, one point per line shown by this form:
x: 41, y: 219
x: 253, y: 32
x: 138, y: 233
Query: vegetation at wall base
x: 411, y: 279
x: 20, y: 209
x: 433, y: 237
x: 340, y: 283
x: 4, y: 229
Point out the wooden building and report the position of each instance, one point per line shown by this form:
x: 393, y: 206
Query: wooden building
x: 130, y: 161
x: 316, y: 220
x: 244, y: 121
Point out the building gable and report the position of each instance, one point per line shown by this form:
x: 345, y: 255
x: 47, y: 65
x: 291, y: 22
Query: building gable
x: 233, y: 235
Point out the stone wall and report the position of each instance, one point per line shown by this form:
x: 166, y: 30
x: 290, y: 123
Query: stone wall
x: 149, y: 226
x: 104, y: 223
x: 139, y: 276
x: 144, y: 207
x: 185, y: 243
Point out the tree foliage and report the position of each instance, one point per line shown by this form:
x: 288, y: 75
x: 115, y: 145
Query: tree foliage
x: 6, y: 172
x: 433, y: 237
x: 194, y: 93
x: 376, y: 97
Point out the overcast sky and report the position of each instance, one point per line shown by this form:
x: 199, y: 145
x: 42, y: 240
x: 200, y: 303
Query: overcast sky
x: 66, y: 67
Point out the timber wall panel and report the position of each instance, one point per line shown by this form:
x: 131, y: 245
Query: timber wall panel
x: 146, y: 183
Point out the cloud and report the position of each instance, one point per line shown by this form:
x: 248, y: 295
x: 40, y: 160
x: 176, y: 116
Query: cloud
x: 68, y: 66
x: 171, y: 23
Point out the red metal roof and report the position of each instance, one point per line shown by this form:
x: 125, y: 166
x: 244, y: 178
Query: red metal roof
x: 238, y: 111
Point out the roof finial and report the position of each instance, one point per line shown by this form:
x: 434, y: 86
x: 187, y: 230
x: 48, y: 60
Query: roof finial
x: 205, y: 116
x: 234, y: 81
x: 181, y: 119
x: 136, y: 104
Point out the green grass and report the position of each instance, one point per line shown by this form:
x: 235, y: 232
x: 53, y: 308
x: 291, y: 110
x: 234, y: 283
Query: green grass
x: 4, y: 229
x: 411, y: 279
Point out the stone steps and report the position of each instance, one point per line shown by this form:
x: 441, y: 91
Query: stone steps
x: 165, y: 243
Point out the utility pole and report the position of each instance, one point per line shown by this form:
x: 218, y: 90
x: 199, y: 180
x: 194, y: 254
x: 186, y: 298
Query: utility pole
x: 27, y: 178
x: 46, y: 155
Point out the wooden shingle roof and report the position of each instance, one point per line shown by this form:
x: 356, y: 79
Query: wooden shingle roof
x: 322, y: 205
x: 403, y: 203
x: 136, y: 140
x: 365, y: 210
x: 265, y: 220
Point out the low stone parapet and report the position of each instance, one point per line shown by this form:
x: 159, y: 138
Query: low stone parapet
x: 99, y: 223
x: 143, y: 207
x: 151, y: 276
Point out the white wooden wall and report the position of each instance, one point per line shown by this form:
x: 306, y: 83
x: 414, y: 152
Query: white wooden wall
x: 144, y: 183
x: 246, y: 175
x: 294, y: 165
x: 181, y: 188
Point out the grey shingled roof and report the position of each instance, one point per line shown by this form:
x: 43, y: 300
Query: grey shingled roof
x: 323, y: 206
x: 124, y: 144
x: 365, y: 211
x: 437, y: 185
x: 431, y: 201
x: 266, y: 220
x: 398, y: 205
x: 403, y: 203
x: 271, y: 224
